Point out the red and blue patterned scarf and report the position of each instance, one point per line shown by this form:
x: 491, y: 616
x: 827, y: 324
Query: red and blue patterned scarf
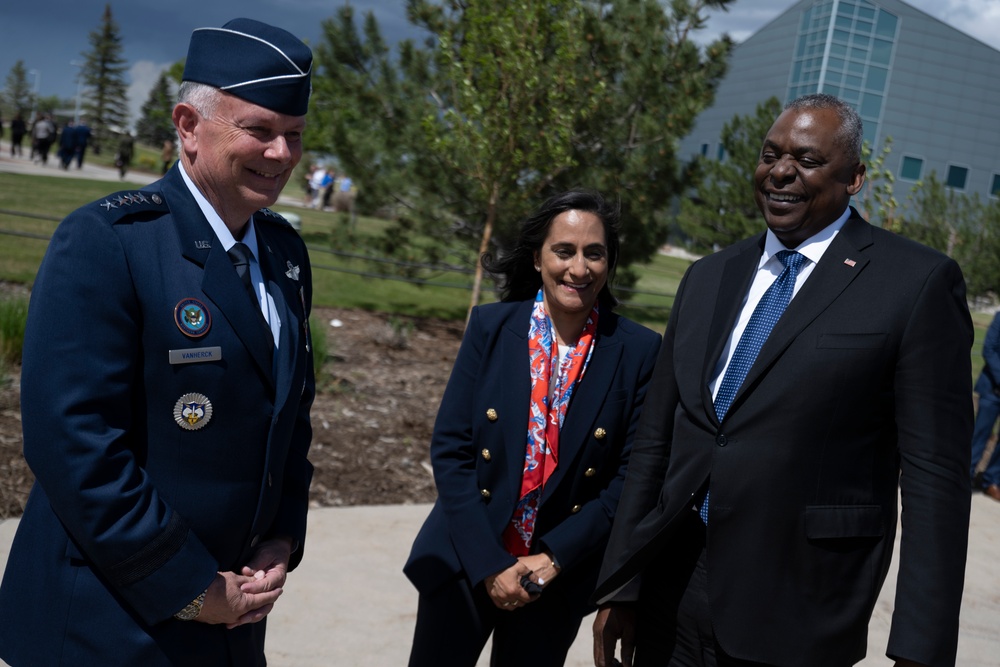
x: 545, y: 416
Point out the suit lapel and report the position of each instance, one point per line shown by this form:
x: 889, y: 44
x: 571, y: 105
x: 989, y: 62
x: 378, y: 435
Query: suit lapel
x: 842, y: 262
x: 586, y: 403
x: 219, y: 281
x: 516, y: 392
x: 734, y: 284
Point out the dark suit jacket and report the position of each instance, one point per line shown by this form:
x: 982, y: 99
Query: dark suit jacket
x: 478, y: 461
x: 131, y: 515
x: 866, y: 375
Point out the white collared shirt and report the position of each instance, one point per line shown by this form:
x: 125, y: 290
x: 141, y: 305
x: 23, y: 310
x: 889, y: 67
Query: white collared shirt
x: 768, y: 270
x: 226, y: 238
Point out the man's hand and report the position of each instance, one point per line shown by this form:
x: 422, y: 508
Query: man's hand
x: 611, y: 624
x: 247, y: 597
x: 268, y: 566
x: 226, y: 602
x: 505, y: 589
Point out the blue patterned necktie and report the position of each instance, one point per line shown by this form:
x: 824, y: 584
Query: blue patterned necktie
x: 763, y: 319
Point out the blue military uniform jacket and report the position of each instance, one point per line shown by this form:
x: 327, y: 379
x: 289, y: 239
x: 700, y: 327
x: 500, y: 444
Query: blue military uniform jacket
x: 165, y: 441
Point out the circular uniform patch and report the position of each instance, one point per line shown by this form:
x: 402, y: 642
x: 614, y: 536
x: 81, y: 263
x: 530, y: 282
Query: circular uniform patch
x: 192, y: 411
x: 192, y: 317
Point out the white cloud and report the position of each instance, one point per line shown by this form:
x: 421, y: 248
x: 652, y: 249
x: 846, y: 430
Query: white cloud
x: 143, y: 76
x: 979, y: 18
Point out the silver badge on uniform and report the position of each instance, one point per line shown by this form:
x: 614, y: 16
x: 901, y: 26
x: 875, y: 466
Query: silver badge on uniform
x: 192, y: 411
x: 192, y: 317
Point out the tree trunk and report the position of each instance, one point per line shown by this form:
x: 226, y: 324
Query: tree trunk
x: 484, y: 244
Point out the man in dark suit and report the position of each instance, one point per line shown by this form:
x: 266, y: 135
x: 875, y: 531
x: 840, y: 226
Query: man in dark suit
x: 758, y: 517
x: 166, y: 387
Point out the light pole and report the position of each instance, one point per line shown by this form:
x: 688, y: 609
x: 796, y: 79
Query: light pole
x: 79, y: 77
x: 34, y: 94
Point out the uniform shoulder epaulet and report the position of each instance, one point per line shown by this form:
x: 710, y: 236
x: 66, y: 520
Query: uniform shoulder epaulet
x: 129, y: 202
x: 270, y: 216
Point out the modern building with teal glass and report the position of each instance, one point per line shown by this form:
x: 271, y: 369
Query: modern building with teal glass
x: 931, y: 88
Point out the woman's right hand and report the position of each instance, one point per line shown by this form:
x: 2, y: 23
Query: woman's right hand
x: 505, y: 589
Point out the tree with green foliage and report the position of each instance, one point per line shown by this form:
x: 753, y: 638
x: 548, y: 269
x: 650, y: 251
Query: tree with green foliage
x: 156, y: 124
x: 962, y: 226
x: 507, y: 103
x: 876, y: 201
x: 105, y: 93
x: 721, y: 209
x: 18, y: 97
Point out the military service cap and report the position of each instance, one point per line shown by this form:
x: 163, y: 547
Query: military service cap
x: 254, y: 61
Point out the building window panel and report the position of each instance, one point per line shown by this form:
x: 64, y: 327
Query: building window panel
x: 867, y: 13
x: 995, y: 186
x: 835, y: 63
x: 831, y: 89
x: 844, y: 22
x: 850, y: 94
x: 838, y: 50
x: 863, y: 27
x: 847, y: 8
x: 877, y: 78
x: 911, y: 168
x: 856, y: 68
x: 859, y: 54
x: 871, y: 106
x: 957, y: 177
x: 881, y: 52
x: 841, y: 36
x: 853, y: 81
x: 886, y: 25
x: 861, y: 41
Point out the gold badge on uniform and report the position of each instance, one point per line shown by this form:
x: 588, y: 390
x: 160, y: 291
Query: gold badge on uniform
x: 192, y: 317
x: 192, y: 411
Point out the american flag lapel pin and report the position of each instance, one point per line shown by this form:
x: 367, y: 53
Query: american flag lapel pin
x: 850, y: 262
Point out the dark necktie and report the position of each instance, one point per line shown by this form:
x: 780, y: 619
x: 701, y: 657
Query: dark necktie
x: 240, y: 256
x: 762, y: 320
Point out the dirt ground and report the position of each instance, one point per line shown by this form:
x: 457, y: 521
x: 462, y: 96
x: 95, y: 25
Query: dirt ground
x: 372, y: 418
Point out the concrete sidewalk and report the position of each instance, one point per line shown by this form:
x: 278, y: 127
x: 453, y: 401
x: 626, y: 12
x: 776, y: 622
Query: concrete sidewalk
x: 349, y: 604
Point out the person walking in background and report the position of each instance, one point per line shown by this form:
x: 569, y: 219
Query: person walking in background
x: 166, y: 385
x: 123, y: 158
x: 530, y: 447
x: 43, y: 135
x: 167, y: 154
x: 67, y: 144
x: 81, y: 139
x: 18, y: 129
x: 758, y: 519
x: 988, y: 389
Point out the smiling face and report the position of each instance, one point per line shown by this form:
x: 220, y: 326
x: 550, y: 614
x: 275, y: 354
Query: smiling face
x: 240, y: 156
x: 573, y: 262
x: 804, y: 179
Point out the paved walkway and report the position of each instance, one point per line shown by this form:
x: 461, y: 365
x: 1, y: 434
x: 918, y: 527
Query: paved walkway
x: 349, y: 603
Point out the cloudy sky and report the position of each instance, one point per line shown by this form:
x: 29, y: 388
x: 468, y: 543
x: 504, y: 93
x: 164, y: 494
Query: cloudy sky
x: 50, y: 35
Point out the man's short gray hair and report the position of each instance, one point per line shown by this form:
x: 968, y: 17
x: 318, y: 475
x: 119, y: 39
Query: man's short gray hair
x: 202, y: 97
x: 852, y: 133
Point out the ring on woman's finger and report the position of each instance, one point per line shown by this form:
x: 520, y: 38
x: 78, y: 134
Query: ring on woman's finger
x: 506, y: 604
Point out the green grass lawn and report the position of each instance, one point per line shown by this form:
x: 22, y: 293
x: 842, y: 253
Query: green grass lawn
x: 339, y: 281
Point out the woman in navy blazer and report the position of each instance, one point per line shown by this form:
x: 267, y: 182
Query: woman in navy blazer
x: 514, y: 542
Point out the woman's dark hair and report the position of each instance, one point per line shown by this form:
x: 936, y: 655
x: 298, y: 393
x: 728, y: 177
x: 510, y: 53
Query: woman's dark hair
x: 514, y: 268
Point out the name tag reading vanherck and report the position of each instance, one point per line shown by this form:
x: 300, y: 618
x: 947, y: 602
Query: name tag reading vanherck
x: 195, y: 355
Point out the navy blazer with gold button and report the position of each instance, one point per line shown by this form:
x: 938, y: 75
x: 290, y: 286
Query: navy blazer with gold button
x: 479, y: 443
